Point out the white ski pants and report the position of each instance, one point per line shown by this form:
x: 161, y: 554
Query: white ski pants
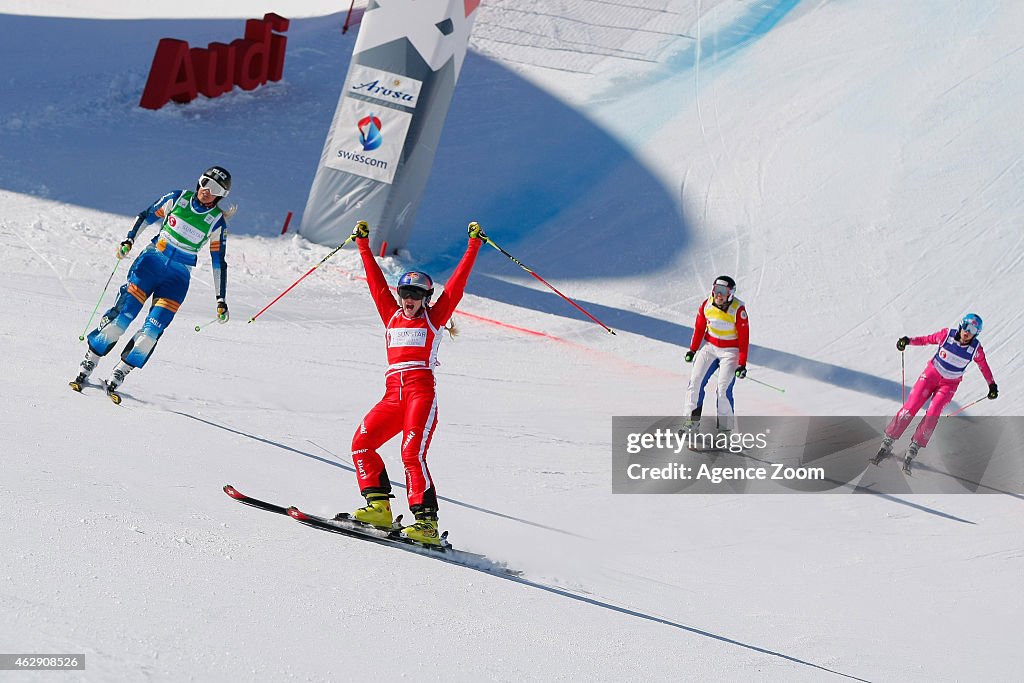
x: 710, y: 358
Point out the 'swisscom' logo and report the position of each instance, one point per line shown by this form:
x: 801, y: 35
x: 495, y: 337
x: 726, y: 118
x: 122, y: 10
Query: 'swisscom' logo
x: 369, y: 133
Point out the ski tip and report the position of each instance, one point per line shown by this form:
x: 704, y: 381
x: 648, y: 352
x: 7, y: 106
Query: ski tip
x: 233, y: 492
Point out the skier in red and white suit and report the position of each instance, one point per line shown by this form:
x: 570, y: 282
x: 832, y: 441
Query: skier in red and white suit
x: 413, y: 333
x: 721, y: 332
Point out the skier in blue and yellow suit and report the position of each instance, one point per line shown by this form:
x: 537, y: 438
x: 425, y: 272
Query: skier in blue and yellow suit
x: 189, y: 219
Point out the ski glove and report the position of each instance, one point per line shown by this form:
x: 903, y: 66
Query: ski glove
x: 902, y: 342
x: 741, y: 372
x: 993, y: 391
x: 124, y: 248
x: 222, y: 311
x: 361, y: 231
x: 688, y: 357
x: 476, y: 232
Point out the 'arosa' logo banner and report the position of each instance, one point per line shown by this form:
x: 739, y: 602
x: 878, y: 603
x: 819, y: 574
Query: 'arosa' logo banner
x: 180, y: 73
x: 395, y: 89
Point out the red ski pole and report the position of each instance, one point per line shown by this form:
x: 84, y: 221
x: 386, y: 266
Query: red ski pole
x: 520, y: 264
x: 960, y: 410
x: 308, y: 272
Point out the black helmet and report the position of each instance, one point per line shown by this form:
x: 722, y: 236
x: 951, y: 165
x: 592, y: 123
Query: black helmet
x: 217, y: 180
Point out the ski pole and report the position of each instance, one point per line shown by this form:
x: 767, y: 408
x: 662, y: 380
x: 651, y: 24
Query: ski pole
x: 81, y: 337
x: 903, y: 376
x: 778, y: 389
x: 308, y: 272
x: 960, y: 410
x: 520, y: 264
x: 200, y: 327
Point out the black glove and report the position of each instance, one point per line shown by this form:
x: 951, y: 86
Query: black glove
x: 688, y: 357
x: 124, y: 248
x: 361, y: 231
x: 902, y: 342
x: 222, y: 311
x: 741, y: 372
x: 993, y: 391
x: 476, y: 232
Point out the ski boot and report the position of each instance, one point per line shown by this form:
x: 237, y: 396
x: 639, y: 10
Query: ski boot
x: 884, y: 452
x: 688, y: 427
x: 424, y: 531
x: 376, y: 512
x: 911, y: 454
x: 87, y: 366
x: 116, y: 379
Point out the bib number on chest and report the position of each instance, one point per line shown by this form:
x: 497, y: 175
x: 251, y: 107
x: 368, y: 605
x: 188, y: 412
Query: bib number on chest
x: 187, y: 231
x: 407, y: 337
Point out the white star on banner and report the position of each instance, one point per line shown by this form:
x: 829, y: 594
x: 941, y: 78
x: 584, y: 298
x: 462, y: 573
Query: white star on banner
x: 417, y: 22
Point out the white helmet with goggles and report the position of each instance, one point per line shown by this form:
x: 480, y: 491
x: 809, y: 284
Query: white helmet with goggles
x: 724, y: 286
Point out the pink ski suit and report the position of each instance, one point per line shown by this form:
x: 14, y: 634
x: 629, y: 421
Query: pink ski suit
x: 940, y: 380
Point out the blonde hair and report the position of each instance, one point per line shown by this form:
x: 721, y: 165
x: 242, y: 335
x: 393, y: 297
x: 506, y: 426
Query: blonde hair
x: 453, y: 330
x: 230, y: 211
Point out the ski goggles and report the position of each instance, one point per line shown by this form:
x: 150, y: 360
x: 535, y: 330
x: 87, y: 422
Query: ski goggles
x: 722, y: 290
x: 970, y: 327
x: 215, y: 188
x: 413, y: 293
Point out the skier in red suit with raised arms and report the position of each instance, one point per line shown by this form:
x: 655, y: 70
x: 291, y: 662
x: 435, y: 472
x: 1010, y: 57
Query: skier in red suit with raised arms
x: 414, y: 329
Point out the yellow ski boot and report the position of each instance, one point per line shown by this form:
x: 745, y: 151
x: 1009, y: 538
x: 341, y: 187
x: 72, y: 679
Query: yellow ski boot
x: 377, y: 511
x: 424, y: 530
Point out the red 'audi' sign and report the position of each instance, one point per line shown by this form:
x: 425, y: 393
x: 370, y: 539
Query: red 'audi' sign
x: 180, y: 73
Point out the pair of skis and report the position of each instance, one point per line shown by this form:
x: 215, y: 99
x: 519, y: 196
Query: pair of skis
x: 111, y: 393
x: 885, y: 454
x: 344, y: 525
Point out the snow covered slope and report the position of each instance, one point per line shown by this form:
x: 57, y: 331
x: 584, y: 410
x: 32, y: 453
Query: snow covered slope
x: 853, y: 165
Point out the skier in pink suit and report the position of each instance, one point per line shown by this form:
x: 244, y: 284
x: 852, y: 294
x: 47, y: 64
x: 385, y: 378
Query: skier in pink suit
x: 939, y: 381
